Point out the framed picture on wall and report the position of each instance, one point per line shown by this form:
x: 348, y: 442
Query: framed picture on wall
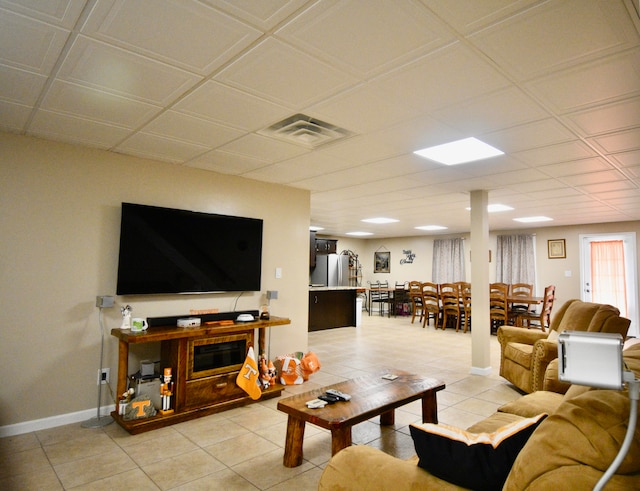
x: 382, y: 262
x: 557, y: 249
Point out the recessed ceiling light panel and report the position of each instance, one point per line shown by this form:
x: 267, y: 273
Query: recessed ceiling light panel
x: 380, y: 220
x: 459, y: 151
x: 313, y: 228
x: 359, y: 234
x: 431, y: 227
x: 533, y: 219
x: 494, y: 208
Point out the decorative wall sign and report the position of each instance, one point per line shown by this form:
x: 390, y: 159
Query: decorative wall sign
x: 382, y: 262
x: 557, y: 249
x: 410, y: 256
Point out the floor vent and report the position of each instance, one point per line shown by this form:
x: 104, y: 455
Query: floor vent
x: 306, y: 131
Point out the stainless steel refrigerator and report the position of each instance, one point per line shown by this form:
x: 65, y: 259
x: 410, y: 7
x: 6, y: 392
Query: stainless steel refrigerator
x: 331, y: 270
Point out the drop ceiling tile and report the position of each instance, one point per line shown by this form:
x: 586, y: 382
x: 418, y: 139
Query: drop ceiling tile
x: 561, y: 152
x: 415, y: 134
x: 366, y: 41
x: 13, y: 117
x: 360, y: 149
x: 553, y: 35
x: 263, y: 148
x: 263, y: 15
x: 467, y: 17
x: 606, y: 187
x: 500, y: 110
x: 20, y: 86
x: 529, y: 136
x: 115, y: 70
x: 361, y: 109
x: 627, y: 159
x: 96, y: 105
x: 62, y: 127
x: 284, y: 75
x: 189, y: 35
x: 575, y: 167
x: 621, y: 141
x: 231, y: 107
x: 172, y: 124
x: 62, y: 13
x: 593, y: 178
x: 29, y: 44
x: 607, y: 80
x: 157, y: 147
x: 611, y: 117
x: 227, y: 163
x: 434, y: 81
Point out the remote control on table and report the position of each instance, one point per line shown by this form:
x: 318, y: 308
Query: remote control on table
x: 340, y: 395
x: 329, y: 398
x: 316, y: 404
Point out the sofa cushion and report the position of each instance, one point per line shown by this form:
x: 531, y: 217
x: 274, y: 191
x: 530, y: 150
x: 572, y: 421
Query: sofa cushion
x: 519, y: 353
x: 479, y: 461
x: 532, y: 404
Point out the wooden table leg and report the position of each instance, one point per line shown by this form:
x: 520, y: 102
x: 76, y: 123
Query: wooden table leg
x: 388, y: 418
x: 293, y: 443
x: 430, y: 407
x: 340, y: 438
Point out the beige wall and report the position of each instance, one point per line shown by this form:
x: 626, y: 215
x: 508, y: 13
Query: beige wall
x: 549, y: 271
x: 60, y: 224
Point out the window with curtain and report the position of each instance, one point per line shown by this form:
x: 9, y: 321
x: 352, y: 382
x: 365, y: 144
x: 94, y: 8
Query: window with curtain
x: 608, y: 274
x: 515, y: 259
x: 448, y: 261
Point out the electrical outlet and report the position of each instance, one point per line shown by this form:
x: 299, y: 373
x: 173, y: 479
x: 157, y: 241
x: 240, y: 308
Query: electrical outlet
x: 103, y: 376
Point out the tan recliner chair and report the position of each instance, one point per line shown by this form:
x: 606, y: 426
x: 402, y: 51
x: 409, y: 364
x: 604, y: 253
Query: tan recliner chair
x: 526, y: 354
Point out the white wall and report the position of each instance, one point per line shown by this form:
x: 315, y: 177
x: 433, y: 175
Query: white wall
x: 60, y: 230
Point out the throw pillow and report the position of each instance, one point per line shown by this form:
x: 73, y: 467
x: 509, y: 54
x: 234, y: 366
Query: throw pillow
x: 480, y: 461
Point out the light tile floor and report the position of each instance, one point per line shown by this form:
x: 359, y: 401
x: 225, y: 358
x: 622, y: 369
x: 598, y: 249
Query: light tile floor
x: 242, y: 449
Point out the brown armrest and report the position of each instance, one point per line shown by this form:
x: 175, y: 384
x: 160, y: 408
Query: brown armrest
x: 544, y: 352
x: 511, y: 334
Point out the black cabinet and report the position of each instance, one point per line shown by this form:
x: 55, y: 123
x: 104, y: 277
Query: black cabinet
x: 326, y: 246
x: 331, y: 308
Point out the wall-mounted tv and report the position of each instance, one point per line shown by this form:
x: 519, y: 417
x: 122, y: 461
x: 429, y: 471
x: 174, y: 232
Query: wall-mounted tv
x: 165, y: 250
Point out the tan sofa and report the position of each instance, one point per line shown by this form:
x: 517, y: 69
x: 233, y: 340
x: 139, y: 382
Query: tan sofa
x: 569, y: 451
x: 526, y: 353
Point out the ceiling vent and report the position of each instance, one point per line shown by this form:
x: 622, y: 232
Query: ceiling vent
x: 306, y: 131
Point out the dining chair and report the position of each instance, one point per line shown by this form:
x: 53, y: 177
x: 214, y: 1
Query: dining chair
x: 498, y: 306
x: 379, y: 295
x: 450, y: 300
x: 515, y: 309
x: 464, y: 299
x: 417, y: 303
x: 400, y: 297
x: 431, y: 303
x: 540, y: 319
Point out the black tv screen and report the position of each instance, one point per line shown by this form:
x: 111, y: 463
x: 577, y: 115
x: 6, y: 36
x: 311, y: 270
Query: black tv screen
x: 164, y: 250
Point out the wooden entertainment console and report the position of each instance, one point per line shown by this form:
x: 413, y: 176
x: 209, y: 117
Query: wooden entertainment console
x: 195, y: 394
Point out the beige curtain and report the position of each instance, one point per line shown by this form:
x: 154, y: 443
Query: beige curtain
x: 448, y: 261
x: 515, y: 259
x: 608, y: 274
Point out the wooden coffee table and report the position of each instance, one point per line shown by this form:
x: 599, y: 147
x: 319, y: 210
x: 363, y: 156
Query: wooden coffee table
x: 370, y: 396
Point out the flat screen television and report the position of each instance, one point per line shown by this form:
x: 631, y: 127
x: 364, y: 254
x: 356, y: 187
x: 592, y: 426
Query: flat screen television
x: 165, y: 250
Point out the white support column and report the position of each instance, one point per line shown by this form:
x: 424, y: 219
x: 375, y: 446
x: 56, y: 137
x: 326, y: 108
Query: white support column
x: 481, y: 327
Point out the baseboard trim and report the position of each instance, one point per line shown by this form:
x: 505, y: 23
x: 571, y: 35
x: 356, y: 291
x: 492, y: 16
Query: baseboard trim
x: 53, y: 421
x: 480, y: 371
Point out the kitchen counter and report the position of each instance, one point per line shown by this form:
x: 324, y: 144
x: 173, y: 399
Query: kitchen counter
x: 331, y: 306
x: 329, y: 288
